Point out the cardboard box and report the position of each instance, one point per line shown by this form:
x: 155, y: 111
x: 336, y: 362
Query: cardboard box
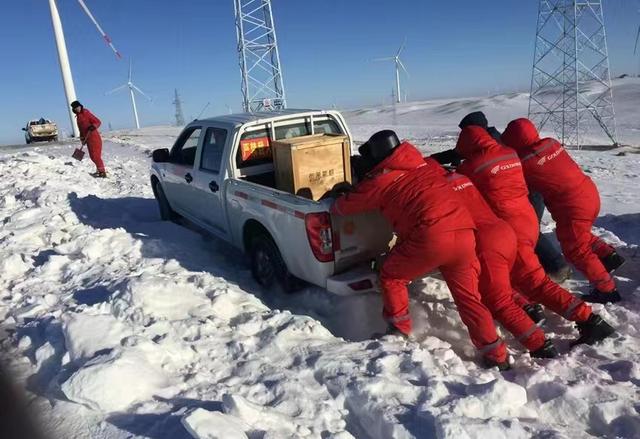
x: 310, y: 166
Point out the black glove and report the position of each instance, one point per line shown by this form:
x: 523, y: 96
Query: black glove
x: 91, y: 128
x: 338, y: 190
x: 447, y: 157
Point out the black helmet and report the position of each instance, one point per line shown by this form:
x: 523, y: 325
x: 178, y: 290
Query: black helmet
x: 379, y: 146
x: 75, y: 104
x: 477, y: 118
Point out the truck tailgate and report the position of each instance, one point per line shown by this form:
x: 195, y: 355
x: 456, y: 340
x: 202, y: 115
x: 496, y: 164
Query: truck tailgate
x: 43, y: 130
x: 360, y: 238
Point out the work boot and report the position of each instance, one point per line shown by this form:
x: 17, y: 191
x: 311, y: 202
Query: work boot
x: 561, y: 274
x: 612, y: 262
x: 593, y: 330
x: 548, y: 350
x: 536, y: 312
x: 490, y: 363
x: 391, y: 330
x: 99, y: 174
x: 597, y: 296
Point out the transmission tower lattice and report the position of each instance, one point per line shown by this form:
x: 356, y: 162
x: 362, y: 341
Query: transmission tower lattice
x: 571, y: 81
x: 179, y: 114
x: 262, y: 85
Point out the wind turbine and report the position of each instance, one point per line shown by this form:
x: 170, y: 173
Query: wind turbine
x: 132, y: 88
x: 63, y: 57
x: 399, y: 65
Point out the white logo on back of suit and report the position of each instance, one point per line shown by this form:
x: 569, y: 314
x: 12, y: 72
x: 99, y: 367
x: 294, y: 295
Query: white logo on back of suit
x: 549, y: 157
x: 499, y: 168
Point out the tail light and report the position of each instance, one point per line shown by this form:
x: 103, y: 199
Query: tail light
x: 320, y: 235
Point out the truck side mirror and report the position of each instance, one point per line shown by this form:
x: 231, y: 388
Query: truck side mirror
x: 24, y: 129
x: 160, y: 155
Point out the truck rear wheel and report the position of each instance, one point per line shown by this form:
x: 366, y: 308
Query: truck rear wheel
x: 268, y: 267
x: 166, y: 212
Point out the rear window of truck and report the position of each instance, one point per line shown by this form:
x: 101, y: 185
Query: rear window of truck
x: 255, y: 145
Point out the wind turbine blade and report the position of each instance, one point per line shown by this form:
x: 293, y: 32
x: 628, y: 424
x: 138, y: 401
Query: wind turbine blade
x: 117, y: 89
x: 635, y: 49
x: 95, y: 22
x: 404, y: 43
x: 141, y: 92
x: 403, y: 67
x: 129, y: 69
x: 389, y: 58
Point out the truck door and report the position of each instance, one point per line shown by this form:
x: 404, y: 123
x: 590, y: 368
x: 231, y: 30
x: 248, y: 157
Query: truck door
x: 209, y: 179
x: 180, y: 170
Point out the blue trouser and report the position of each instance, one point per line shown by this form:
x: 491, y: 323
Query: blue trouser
x: 550, y: 257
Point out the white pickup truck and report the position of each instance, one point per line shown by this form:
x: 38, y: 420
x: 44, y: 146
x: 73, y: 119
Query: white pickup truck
x: 219, y: 174
x: 42, y: 130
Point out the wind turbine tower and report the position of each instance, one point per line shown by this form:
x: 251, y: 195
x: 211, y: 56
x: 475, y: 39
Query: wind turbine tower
x: 132, y: 89
x: 571, y: 81
x: 399, y: 65
x: 63, y: 56
x: 262, y: 83
x: 179, y: 114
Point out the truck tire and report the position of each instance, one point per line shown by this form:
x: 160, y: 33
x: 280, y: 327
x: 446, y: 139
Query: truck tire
x: 267, y: 266
x: 166, y: 212
x: 28, y: 141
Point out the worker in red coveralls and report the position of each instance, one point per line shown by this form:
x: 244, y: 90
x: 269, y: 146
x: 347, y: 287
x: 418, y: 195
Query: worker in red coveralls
x: 496, y: 171
x: 574, y: 203
x: 496, y: 247
x: 434, y: 230
x: 88, y: 126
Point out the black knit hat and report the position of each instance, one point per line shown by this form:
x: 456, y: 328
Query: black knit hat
x: 75, y: 104
x: 379, y: 146
x: 477, y: 118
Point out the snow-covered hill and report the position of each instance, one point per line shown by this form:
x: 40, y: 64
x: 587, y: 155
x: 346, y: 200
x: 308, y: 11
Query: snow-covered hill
x: 119, y: 325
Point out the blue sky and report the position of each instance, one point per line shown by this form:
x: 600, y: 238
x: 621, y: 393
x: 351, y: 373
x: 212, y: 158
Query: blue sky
x: 460, y: 48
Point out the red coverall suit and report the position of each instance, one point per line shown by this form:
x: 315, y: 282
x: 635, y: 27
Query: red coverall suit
x: 86, y: 119
x: 571, y: 197
x: 497, y: 172
x: 435, y: 231
x: 496, y: 247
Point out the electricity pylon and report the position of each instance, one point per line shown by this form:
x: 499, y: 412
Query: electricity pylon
x: 571, y: 81
x: 179, y: 114
x: 262, y: 85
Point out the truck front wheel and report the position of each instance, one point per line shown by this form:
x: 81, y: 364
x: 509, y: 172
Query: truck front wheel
x: 268, y: 267
x: 166, y: 212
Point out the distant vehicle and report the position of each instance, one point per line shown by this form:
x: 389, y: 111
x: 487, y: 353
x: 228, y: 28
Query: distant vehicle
x: 41, y: 130
x: 207, y: 179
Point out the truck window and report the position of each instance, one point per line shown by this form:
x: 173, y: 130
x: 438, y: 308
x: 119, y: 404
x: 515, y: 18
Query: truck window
x: 184, y: 150
x: 255, y: 146
x: 289, y: 131
x: 212, y: 149
x: 327, y: 126
x: 255, y: 149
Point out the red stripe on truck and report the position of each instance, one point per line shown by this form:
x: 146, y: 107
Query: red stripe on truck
x: 270, y: 204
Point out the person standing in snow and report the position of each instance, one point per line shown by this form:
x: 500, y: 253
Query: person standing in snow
x: 434, y: 230
x: 496, y: 247
x: 574, y: 203
x: 550, y: 258
x: 88, y: 125
x: 496, y: 171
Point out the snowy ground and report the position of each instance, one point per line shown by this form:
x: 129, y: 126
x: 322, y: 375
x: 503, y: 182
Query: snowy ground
x: 119, y: 325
